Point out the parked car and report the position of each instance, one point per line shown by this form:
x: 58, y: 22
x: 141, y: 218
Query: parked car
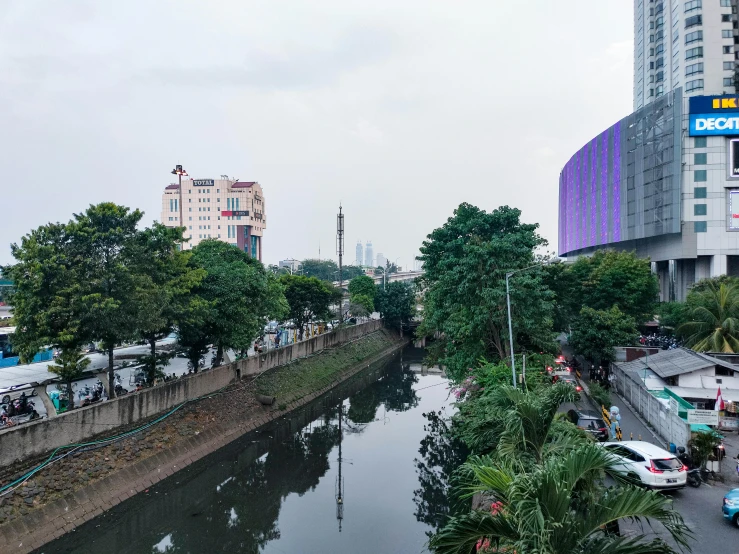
x: 569, y: 379
x: 590, y: 421
x: 271, y: 328
x: 730, y: 506
x: 650, y: 465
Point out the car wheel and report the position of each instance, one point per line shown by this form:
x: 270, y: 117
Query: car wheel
x: 736, y: 519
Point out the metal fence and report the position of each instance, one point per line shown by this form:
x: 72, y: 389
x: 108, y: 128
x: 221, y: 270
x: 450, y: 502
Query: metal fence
x: 666, y: 423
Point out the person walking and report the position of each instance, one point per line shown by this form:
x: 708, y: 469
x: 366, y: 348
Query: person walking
x: 278, y: 335
x: 615, y: 419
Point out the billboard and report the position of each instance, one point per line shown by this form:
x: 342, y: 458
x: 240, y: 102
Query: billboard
x: 714, y: 116
x: 734, y: 209
x: 234, y: 213
x: 734, y: 158
x: 203, y: 182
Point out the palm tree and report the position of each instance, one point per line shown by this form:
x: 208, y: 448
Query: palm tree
x: 559, y: 507
x: 715, y: 319
x: 71, y: 364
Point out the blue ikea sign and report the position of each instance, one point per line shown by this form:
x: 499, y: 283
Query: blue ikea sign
x: 720, y: 124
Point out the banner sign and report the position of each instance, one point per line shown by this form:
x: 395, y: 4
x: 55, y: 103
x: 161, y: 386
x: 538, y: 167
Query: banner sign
x: 706, y: 417
x: 202, y: 182
x: 234, y: 213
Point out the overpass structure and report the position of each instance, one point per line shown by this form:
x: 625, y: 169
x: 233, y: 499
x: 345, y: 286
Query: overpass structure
x: 402, y: 276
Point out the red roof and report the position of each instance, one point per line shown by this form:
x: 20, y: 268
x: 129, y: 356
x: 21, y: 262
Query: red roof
x: 172, y: 187
x: 243, y: 184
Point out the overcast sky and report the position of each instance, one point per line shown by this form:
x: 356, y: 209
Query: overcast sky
x: 400, y: 110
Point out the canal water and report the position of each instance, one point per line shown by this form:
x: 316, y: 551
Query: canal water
x: 359, y: 470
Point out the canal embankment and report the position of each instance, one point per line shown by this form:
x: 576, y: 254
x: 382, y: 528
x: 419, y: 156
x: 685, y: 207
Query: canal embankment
x: 96, y: 477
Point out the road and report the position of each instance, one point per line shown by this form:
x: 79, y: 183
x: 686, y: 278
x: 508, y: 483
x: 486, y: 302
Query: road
x: 701, y: 507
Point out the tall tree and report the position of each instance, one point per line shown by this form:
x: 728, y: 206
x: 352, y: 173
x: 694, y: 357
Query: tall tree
x: 241, y: 296
x: 596, y: 333
x: 325, y: 270
x: 362, y: 291
x: 308, y: 298
x: 396, y: 304
x: 163, y: 301
x: 465, y: 263
x: 70, y: 366
x: 103, y: 245
x: 714, y: 319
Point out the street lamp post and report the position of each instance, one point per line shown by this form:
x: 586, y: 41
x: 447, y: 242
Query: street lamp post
x: 179, y: 171
x: 510, y: 324
x: 384, y: 287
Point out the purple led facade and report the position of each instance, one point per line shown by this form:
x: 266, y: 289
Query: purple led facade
x: 593, y: 191
x: 590, y: 194
x: 616, y: 182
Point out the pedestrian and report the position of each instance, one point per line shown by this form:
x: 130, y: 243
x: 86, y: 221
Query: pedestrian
x: 615, y: 421
x: 277, y: 338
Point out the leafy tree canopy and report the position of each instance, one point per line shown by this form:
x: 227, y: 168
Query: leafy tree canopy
x: 465, y: 263
x: 365, y: 302
x: 396, y: 303
x: 325, y: 270
x: 362, y: 285
x: 713, y: 318
x: 595, y: 333
x: 308, y: 299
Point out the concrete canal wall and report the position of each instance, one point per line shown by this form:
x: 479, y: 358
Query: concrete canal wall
x: 37, y: 438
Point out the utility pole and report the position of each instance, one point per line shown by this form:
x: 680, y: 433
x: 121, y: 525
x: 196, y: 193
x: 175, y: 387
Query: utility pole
x: 340, y: 252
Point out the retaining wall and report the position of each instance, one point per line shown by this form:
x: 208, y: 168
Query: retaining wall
x: 34, y: 439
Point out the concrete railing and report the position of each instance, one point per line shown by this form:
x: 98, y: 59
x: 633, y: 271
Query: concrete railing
x: 36, y: 438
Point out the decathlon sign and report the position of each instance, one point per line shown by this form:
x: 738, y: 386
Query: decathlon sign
x: 714, y: 124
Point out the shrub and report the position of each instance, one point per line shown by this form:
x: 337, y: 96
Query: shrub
x: 600, y: 395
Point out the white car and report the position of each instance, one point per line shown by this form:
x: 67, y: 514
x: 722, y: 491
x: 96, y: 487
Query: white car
x: 653, y: 466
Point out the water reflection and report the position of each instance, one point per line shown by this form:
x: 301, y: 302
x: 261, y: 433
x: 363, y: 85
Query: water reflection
x: 281, y: 490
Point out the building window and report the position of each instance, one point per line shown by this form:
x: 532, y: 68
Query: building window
x: 725, y: 18
x: 725, y: 3
x: 692, y: 53
x: 728, y: 82
x: 693, y: 5
x: 695, y: 36
x: 700, y: 209
x: 727, y: 33
x: 700, y: 142
x: 189, y: 209
x: 728, y: 66
x: 700, y: 192
x: 694, y: 69
x: 700, y: 176
x: 700, y: 159
x: 700, y: 226
x: 727, y: 49
x: 693, y: 21
x: 697, y: 84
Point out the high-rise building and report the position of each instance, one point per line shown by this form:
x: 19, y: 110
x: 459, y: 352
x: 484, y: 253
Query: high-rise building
x: 224, y: 209
x: 292, y: 264
x: 381, y: 260
x: 369, y: 258
x: 360, y: 254
x: 664, y: 180
x: 683, y: 43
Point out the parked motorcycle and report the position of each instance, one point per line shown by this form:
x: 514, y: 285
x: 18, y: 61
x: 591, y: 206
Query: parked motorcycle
x: 694, y: 474
x: 90, y: 394
x: 118, y: 388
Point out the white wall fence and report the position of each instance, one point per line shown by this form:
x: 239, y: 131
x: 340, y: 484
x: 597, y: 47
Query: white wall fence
x: 666, y: 423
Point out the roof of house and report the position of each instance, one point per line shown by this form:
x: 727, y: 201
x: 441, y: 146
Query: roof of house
x: 669, y: 363
x: 174, y: 186
x: 729, y: 395
x: 243, y: 184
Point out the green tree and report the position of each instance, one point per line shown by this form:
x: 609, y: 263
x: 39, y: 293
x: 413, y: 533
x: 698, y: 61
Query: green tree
x: 611, y: 278
x: 70, y: 366
x: 673, y: 314
x: 596, y: 332
x: 364, y: 302
x: 465, y: 263
x: 308, y: 299
x: 325, y: 270
x: 362, y: 285
x: 349, y: 272
x: 396, y: 304
x: 239, y: 294
x: 556, y: 508
x: 713, y: 324
x: 164, y: 297
x: 714, y: 282
x: 562, y: 281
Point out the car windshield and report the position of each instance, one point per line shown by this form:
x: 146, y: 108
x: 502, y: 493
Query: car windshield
x: 591, y: 423
x: 667, y: 464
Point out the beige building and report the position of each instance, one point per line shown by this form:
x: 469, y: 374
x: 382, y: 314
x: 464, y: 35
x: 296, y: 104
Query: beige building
x: 224, y: 209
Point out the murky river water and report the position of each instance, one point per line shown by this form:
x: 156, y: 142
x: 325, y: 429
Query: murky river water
x: 279, y: 490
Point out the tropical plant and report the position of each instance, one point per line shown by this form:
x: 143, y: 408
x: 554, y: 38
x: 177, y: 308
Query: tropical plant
x: 714, y: 319
x: 596, y: 333
x: 308, y: 299
x: 601, y: 396
x: 702, y: 445
x: 396, y: 304
x: 69, y: 366
x: 557, y: 507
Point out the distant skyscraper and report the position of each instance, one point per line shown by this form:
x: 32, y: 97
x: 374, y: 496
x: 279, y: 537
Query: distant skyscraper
x: 360, y: 253
x: 381, y: 260
x: 369, y: 257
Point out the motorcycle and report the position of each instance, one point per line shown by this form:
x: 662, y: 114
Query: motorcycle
x: 90, y: 394
x: 118, y: 388
x: 694, y: 474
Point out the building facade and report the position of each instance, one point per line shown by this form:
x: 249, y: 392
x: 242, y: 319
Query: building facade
x: 369, y: 255
x: 381, y: 260
x: 292, y: 264
x: 662, y: 181
x: 224, y: 209
x: 360, y: 254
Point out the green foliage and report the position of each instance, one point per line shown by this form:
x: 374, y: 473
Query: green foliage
x: 601, y: 396
x: 349, y: 272
x: 362, y: 285
x: 396, y: 304
x: 611, y: 278
x: 673, y: 314
x: 702, y: 446
x: 713, y: 324
x: 710, y: 283
x: 465, y: 263
x: 325, y: 270
x: 69, y: 366
x: 596, y: 332
x: 364, y: 302
x: 308, y: 298
x: 239, y: 298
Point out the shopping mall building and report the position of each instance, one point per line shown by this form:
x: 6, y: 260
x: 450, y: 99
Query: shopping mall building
x: 664, y: 181
x: 225, y: 209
